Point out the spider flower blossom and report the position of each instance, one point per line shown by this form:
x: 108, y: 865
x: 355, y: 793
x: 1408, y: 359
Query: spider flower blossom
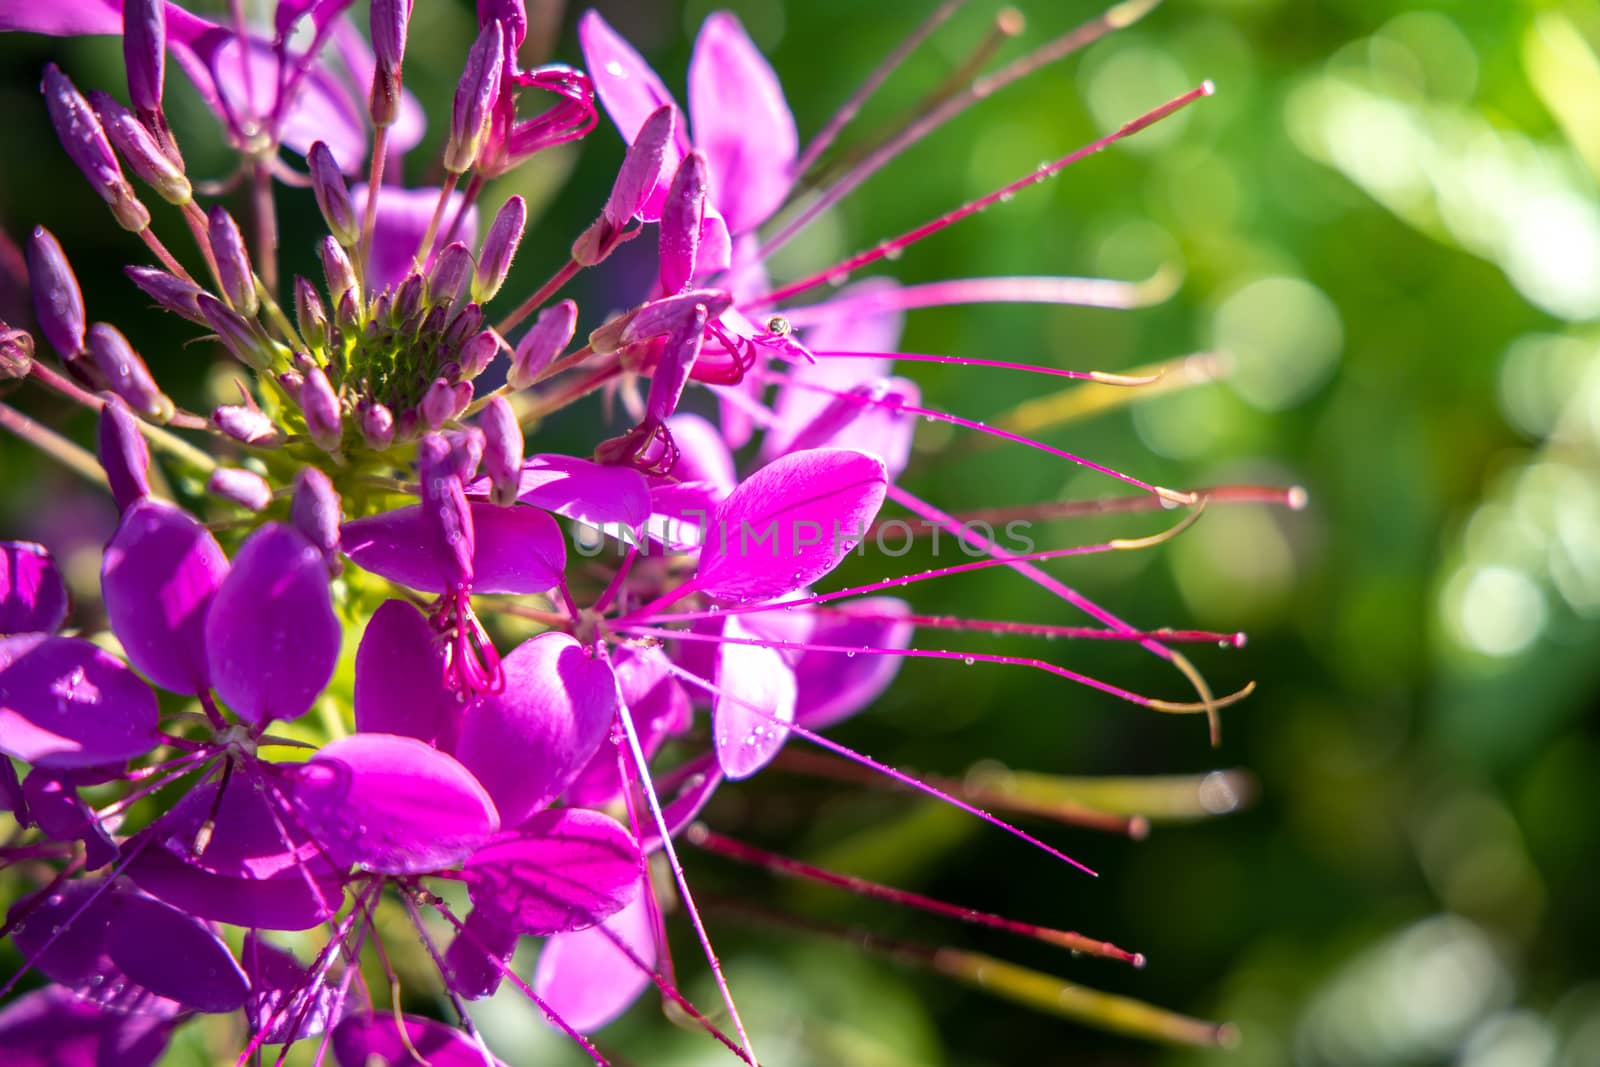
x: 203, y: 783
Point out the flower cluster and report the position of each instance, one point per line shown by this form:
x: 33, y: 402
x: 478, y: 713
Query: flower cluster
x: 180, y: 807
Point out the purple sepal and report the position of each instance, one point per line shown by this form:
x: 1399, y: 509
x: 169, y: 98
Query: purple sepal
x: 283, y: 1004
x: 519, y: 550
x: 400, y: 671
x: 546, y: 339
x: 139, y: 148
x: 170, y: 292
x: 238, y: 486
x: 449, y: 273
x: 173, y: 955
x: 33, y: 598
x: 475, y: 98
x: 246, y: 424
x: 51, y: 1027
x: 320, y: 405
x: 502, y: 450
x: 790, y: 523
x: 81, y: 134
x: 272, y: 638
x: 671, y: 372
x: 233, y: 262
x: 499, y: 248
x: 754, y: 703
x: 144, y: 51
x: 368, y: 1038
x: 834, y: 686
x: 637, y: 179
x: 587, y: 979
x: 125, y: 372
x: 681, y: 216
x: 158, y: 576
x: 332, y: 195
x: 393, y: 805
x: 565, y: 869
x: 528, y: 742
x: 67, y: 703
x: 315, y: 511
x: 57, y: 299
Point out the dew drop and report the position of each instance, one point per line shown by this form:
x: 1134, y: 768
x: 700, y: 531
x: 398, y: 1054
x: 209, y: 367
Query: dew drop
x: 1007, y: 197
x: 969, y: 660
x: 850, y: 654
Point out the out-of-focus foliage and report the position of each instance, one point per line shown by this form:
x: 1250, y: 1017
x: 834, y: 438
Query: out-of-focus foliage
x: 1388, y: 218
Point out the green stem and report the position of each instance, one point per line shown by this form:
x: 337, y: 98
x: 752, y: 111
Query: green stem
x: 46, y: 440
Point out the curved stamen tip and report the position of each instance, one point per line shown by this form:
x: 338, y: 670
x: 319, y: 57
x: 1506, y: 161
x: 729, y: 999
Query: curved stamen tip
x: 1130, y: 11
x: 1195, y: 707
x: 1176, y: 497
x: 1240, y: 639
x: 1297, y: 498
x: 1138, y: 961
x: 1138, y: 830
x: 1208, y: 88
x: 1228, y: 1036
x: 1107, y: 378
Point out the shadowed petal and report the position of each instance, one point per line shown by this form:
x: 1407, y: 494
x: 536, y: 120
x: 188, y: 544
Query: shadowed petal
x: 790, y: 523
x: 67, y: 703
x: 660, y: 708
x: 271, y: 634
x: 32, y: 596
x: 280, y: 1002
x: 476, y: 958
x: 400, y: 686
x: 75, y: 922
x: 742, y: 122
x: 518, y: 550
x: 393, y: 805
x: 367, y: 1039
x: 50, y: 1027
x: 755, y: 698
x: 528, y: 742
x: 160, y: 573
x: 563, y: 870
x: 589, y: 492
x: 587, y: 979
x: 174, y: 955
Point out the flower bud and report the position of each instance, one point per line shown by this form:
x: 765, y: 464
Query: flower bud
x: 236, y: 332
x: 16, y: 352
x: 123, y: 453
x: 338, y: 271
x: 247, y: 425
x: 377, y: 425
x: 239, y: 486
x: 333, y: 195
x: 511, y: 14
x: 315, y: 512
x: 681, y: 215
x: 478, y: 353
x: 233, y: 262
x: 170, y: 292
x: 126, y: 372
x: 498, y: 249
x: 666, y: 315
x: 463, y: 326
x: 444, y: 502
x: 84, y: 139
x: 389, y: 19
x: 451, y: 269
x: 636, y: 180
x: 438, y: 404
x: 407, y: 299
x: 502, y: 450
x: 546, y: 339
x: 320, y: 405
x: 310, y: 320
x: 293, y: 383
x: 57, y: 300
x: 144, y: 51
x: 140, y: 150
x: 475, y: 98
x: 676, y: 361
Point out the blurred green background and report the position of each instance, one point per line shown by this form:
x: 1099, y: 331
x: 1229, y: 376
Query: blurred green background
x: 1387, y: 217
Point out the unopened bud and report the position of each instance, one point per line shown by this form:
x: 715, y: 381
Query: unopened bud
x: 144, y: 51
x: 546, y: 339
x: 310, y: 320
x: 123, y: 453
x: 389, y: 19
x: 478, y: 353
x: 246, y: 345
x: 84, y: 139
x: 315, y: 512
x: 337, y: 270
x: 125, y: 372
x: 451, y: 269
x: 140, y: 150
x: 16, y: 352
x: 233, y: 262
x: 636, y: 180
x: 377, y: 425
x: 239, y: 486
x: 293, y: 383
x: 320, y: 405
x: 170, y: 292
x: 466, y: 323
x: 666, y: 315
x: 438, y: 404
x: 499, y: 248
x: 444, y: 502
x: 475, y: 98
x: 57, y: 300
x: 511, y: 14
x: 247, y: 425
x: 681, y: 216
x: 333, y: 195
x: 674, y: 365
x: 502, y: 450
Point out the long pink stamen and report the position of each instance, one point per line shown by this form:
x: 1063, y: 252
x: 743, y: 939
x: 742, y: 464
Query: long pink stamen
x: 1033, y: 629
x: 910, y: 237
x: 1077, y: 292
x: 1099, y: 377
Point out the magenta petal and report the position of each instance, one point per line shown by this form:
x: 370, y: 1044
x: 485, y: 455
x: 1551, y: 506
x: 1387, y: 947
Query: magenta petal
x: 659, y: 707
x: 174, y: 955
x: 50, y: 1027
x: 754, y: 702
x: 159, y: 575
x: 585, y: 976
x: 528, y: 742
x: 372, y: 1039
x: 589, y: 492
x: 741, y: 122
x: 58, y: 811
x: 834, y: 686
x: 790, y: 523
x: 518, y: 550
x: 476, y: 959
x: 565, y: 869
x: 393, y: 805
x: 400, y: 686
x: 271, y: 634
x: 630, y: 92
x: 703, y: 455
x: 282, y: 1005
x: 75, y: 921
x: 67, y: 703
x: 33, y: 597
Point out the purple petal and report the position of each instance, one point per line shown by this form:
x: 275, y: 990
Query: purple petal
x: 527, y: 743
x: 659, y: 707
x: 174, y: 955
x: 692, y: 797
x: 259, y: 868
x: 271, y: 635
x: 630, y: 92
x: 160, y: 573
x: 50, y: 1027
x: 476, y: 959
x: 355, y: 55
x: 67, y: 703
x: 871, y: 418
x: 33, y: 597
x: 754, y: 702
x: 834, y: 686
x: 790, y: 523
x: 393, y: 805
x: 370, y: 1038
x: 518, y: 550
x: 564, y: 870
x: 400, y: 687
x: 741, y: 122
x: 588, y: 492
x: 282, y: 1005
x: 584, y: 975
x: 54, y: 806
x: 403, y: 216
